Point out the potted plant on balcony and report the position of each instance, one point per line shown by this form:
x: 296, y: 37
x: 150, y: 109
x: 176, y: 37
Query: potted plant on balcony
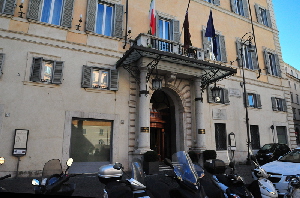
x: 151, y: 163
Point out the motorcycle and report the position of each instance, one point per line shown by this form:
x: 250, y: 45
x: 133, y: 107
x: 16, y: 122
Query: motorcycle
x: 111, y: 175
x: 293, y: 187
x: 4, y: 177
x: 261, y: 187
x: 187, y: 175
x: 54, y: 179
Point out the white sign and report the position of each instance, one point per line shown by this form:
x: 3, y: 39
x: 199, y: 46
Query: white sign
x: 219, y: 114
x: 235, y: 92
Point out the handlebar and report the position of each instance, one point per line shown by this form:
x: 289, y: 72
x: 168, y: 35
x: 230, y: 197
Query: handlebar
x: 6, y: 176
x: 62, y: 180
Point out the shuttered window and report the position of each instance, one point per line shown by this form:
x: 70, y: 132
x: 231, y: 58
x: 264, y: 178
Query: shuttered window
x: 253, y: 100
x: 208, y: 47
x: 263, y: 15
x: 272, y: 63
x: 57, y: 12
x: 168, y: 29
x: 104, y: 18
x: 216, y: 2
x: 7, y: 6
x: 48, y: 71
x: 247, y: 59
x: 278, y: 104
x: 99, y: 78
x: 240, y: 7
x: 2, y: 56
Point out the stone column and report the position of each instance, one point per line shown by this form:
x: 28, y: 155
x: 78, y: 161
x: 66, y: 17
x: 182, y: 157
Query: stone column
x: 144, y: 114
x: 199, y: 113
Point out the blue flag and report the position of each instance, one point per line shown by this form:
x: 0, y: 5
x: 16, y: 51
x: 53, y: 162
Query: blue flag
x: 210, y: 32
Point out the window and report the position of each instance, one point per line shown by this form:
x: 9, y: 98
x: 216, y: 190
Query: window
x: 208, y: 47
x: 295, y: 86
x: 292, y: 97
x: 222, y: 98
x: 255, y: 140
x: 299, y: 112
x: 272, y: 63
x: 2, y: 56
x: 249, y: 59
x: 297, y: 98
x: 49, y: 71
x: 7, y: 7
x: 216, y: 2
x: 278, y: 104
x: 253, y: 100
x: 220, y: 136
x: 294, y: 113
x: 85, y: 143
x: 281, y: 134
x: 240, y: 7
x: 57, y: 12
x: 263, y: 15
x: 104, y: 18
x: 100, y: 78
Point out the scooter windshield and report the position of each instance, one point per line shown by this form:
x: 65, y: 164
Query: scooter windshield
x: 52, y: 167
x: 137, y: 171
x: 184, y: 168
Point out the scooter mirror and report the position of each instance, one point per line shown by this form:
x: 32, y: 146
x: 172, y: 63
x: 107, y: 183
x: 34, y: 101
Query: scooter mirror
x: 168, y: 162
x: 118, y: 166
x: 35, y: 182
x: 70, y: 161
x: 2, y: 160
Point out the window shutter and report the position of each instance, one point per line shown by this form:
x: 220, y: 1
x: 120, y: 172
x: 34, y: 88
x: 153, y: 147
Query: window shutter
x: 245, y: 100
x: 34, y: 9
x: 176, y: 31
x: 206, y: 45
x: 67, y: 13
x: 209, y: 95
x: 254, y: 58
x: 246, y: 9
x: 217, y: 2
x: 157, y: 24
x: 258, y: 102
x: 9, y: 7
x: 91, y: 15
x: 86, y: 77
x: 284, y: 107
x: 226, y: 96
x: 223, y: 49
x: 277, y: 65
x: 37, y: 64
x: 233, y: 6
x: 238, y: 49
x: 114, y: 80
x: 267, y: 62
x: 269, y: 18
x: 2, y: 56
x: 258, y: 14
x: 118, y: 26
x: 1, y: 5
x: 57, y: 72
x: 274, y: 106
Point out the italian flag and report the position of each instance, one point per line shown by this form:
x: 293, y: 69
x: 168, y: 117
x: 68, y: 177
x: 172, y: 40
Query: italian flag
x: 152, y: 17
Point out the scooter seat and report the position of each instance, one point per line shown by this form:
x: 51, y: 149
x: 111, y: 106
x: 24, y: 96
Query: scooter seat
x: 229, y: 180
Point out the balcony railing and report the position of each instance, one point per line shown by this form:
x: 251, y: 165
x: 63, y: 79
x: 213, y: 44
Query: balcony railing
x: 154, y: 42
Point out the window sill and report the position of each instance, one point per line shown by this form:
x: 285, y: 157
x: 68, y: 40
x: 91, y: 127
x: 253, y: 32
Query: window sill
x: 101, y: 35
x: 48, y: 24
x: 40, y: 84
x: 96, y: 90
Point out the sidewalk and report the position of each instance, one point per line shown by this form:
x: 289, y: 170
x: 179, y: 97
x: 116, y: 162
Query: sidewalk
x: 88, y: 185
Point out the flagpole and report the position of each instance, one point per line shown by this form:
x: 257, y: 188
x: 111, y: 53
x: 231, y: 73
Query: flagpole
x: 187, y: 9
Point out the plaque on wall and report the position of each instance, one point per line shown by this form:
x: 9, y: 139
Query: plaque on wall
x: 20, y: 142
x: 235, y: 92
x: 219, y: 114
x: 144, y: 129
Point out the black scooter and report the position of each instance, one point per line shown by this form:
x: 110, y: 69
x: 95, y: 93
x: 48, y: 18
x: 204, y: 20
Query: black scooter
x: 54, y: 180
x: 4, y: 177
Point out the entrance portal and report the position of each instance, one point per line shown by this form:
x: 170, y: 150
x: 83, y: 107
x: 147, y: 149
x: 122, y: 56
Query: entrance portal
x: 162, y: 125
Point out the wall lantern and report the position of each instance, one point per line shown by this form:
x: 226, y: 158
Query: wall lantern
x: 216, y: 93
x: 156, y: 83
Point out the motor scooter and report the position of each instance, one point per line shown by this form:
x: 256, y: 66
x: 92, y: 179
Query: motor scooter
x: 187, y: 175
x: 261, y: 187
x: 116, y: 187
x: 4, y: 177
x: 293, y: 187
x: 54, y: 179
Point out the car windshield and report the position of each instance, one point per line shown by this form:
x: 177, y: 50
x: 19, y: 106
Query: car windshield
x: 268, y: 147
x: 293, y: 156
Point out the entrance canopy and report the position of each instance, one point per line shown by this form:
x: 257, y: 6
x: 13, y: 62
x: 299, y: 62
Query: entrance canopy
x: 165, y: 50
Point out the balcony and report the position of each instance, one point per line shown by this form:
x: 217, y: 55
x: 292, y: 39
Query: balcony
x: 169, y: 51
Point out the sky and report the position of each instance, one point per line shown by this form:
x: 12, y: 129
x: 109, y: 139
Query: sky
x: 287, y: 13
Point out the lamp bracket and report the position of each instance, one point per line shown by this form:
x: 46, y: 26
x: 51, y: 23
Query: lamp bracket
x: 151, y: 66
x: 133, y: 71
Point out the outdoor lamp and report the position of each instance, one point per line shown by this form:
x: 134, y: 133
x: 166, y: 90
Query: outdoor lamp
x: 251, y: 47
x: 216, y: 93
x: 156, y: 83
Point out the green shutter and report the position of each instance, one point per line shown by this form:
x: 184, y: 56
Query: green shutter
x: 254, y: 59
x: 233, y: 6
x: 57, y: 72
x: 217, y: 2
x: 91, y: 15
x: 226, y: 96
x: 278, y: 68
x: 2, y: 56
x: 67, y: 13
x: 284, y: 107
x: 1, y: 5
x: 274, y: 105
x: 258, y: 101
x: 238, y: 49
x: 223, y: 49
x: 9, y: 7
x: 246, y: 8
x: 269, y: 18
x: 176, y: 30
x: 86, y: 77
x: 209, y: 95
x: 118, y: 23
x: 258, y: 14
x: 206, y: 45
x: 114, y: 80
x: 267, y: 61
x: 34, y: 9
x: 37, y: 64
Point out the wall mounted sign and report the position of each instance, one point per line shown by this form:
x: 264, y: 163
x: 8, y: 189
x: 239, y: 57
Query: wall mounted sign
x: 235, y: 92
x: 20, y: 142
x: 201, y: 131
x: 219, y: 114
x: 144, y: 129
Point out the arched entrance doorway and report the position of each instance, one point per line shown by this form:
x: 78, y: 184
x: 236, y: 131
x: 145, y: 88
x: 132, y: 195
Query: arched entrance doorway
x: 162, y: 124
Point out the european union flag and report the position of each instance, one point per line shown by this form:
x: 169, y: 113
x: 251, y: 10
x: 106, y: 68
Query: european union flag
x: 210, y: 32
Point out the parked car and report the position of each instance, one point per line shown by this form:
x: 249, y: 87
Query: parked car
x: 282, y: 169
x: 271, y: 152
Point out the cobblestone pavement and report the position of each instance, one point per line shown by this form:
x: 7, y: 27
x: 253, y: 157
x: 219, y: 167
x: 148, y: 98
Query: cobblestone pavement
x: 88, y: 185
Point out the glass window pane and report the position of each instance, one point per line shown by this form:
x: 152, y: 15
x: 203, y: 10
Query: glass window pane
x: 46, y: 11
x: 108, y: 21
x: 281, y: 134
x: 57, y: 9
x: 47, y: 71
x: 99, y: 19
x: 90, y: 140
x: 251, y: 100
x: 167, y: 30
x: 104, y: 80
x: 95, y: 78
x: 161, y: 29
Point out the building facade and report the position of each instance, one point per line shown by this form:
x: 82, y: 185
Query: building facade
x: 77, y: 80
